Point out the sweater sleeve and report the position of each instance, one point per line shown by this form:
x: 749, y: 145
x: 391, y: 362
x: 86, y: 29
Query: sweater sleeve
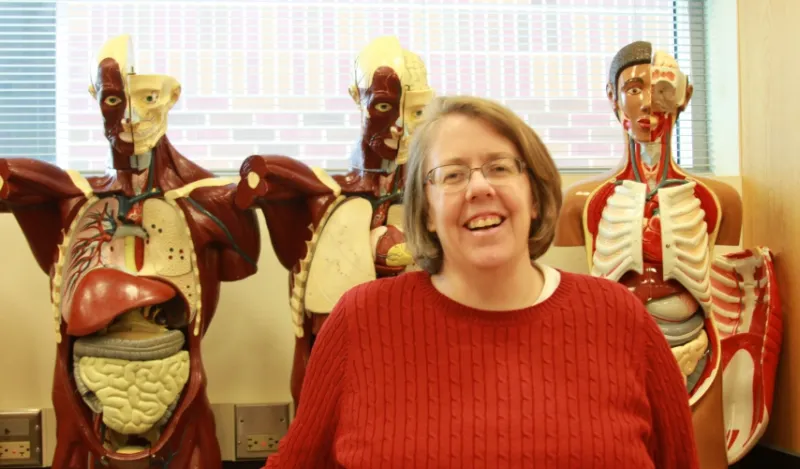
x: 672, y: 444
x: 309, y: 442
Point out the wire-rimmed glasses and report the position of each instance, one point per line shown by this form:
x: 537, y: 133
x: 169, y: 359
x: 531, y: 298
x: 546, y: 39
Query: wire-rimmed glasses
x: 455, y: 177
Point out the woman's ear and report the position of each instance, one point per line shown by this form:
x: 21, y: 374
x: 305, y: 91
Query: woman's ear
x: 429, y: 222
x: 536, y: 221
x: 534, y: 200
x: 427, y: 213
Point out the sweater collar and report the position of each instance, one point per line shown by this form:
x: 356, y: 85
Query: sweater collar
x: 557, y: 290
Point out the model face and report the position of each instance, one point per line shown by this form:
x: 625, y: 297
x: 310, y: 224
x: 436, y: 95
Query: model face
x: 649, y: 101
x: 113, y: 100
x: 414, y: 103
x: 481, y: 217
x: 151, y: 98
x: 382, y: 119
x: 134, y: 110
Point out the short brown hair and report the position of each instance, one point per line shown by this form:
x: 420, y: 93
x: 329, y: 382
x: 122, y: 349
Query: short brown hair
x: 542, y: 171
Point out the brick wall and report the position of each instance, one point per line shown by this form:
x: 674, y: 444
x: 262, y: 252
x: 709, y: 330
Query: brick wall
x: 273, y: 77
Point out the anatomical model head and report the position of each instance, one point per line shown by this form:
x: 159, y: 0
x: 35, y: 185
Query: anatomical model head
x: 134, y: 106
x: 391, y: 89
x: 647, y: 91
x: 416, y: 95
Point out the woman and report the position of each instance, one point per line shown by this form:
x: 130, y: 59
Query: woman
x: 485, y: 358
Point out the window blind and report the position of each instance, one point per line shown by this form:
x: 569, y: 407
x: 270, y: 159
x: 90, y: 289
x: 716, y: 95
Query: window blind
x: 271, y: 77
x: 27, y: 80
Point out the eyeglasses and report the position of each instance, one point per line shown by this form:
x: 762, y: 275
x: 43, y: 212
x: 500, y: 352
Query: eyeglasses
x: 455, y: 177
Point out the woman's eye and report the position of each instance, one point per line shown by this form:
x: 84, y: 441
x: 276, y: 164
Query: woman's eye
x: 112, y: 100
x: 151, y: 98
x: 383, y: 107
x: 452, y: 177
x: 418, y: 114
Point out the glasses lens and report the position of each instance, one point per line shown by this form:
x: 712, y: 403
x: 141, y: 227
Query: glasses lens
x: 450, y: 175
x: 501, y: 170
x: 455, y: 177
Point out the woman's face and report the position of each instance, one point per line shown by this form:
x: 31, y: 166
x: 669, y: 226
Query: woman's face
x: 484, y: 224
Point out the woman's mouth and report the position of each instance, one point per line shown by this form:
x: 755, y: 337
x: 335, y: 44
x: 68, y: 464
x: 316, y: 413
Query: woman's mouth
x: 644, y: 122
x: 484, y: 223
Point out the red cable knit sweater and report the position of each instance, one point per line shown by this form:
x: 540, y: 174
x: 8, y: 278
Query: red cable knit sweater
x: 401, y: 376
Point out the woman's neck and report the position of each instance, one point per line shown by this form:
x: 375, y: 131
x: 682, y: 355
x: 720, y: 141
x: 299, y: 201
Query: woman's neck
x: 511, y: 287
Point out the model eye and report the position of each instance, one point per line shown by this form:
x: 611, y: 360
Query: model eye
x: 635, y: 90
x: 383, y: 107
x: 151, y: 98
x: 418, y: 114
x: 112, y: 100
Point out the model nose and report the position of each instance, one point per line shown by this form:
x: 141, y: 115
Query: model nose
x: 646, y: 100
x: 397, y: 131
x: 131, y: 116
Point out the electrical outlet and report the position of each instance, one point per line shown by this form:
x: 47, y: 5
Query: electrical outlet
x: 259, y: 427
x: 263, y: 442
x: 21, y: 438
x: 15, y: 450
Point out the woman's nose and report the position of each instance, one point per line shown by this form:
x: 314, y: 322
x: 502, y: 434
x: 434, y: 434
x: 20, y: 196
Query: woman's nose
x: 477, y: 185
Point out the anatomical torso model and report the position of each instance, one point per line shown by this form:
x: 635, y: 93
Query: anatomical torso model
x: 653, y: 227
x: 135, y: 260
x: 333, y: 233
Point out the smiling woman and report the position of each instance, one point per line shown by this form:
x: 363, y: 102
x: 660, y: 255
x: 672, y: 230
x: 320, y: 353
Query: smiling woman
x: 487, y: 355
x: 503, y: 147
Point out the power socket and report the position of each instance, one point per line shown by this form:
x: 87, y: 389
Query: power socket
x: 259, y: 427
x: 15, y: 450
x: 263, y: 442
x: 21, y: 438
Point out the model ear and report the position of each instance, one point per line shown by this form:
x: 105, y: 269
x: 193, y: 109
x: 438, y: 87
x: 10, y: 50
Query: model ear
x: 689, y: 92
x: 611, y: 100
x: 175, y: 95
x: 355, y: 94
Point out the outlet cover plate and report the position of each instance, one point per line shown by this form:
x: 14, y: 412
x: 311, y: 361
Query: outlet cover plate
x: 21, y: 430
x: 259, y: 427
x: 12, y: 452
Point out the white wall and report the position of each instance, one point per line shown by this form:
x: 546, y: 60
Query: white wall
x: 723, y: 78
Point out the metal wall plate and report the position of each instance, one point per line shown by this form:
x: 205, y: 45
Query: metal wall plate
x: 259, y: 427
x: 21, y: 438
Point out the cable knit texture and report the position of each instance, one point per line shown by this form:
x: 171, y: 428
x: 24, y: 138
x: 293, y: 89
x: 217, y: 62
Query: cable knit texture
x: 402, y: 376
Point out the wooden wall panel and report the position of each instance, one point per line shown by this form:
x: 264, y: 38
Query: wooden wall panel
x: 769, y: 80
